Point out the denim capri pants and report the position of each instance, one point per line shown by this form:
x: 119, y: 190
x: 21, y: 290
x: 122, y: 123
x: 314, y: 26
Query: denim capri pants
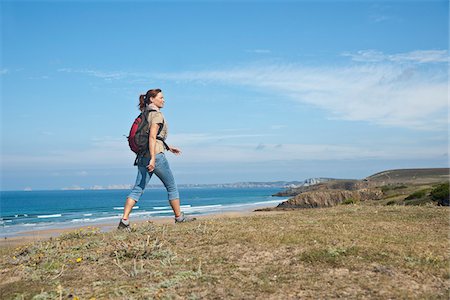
x: 162, y: 171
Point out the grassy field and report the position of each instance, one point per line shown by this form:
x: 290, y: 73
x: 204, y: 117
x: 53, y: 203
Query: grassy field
x: 348, y: 251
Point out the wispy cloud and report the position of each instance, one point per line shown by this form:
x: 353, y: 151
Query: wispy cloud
x: 107, y: 75
x: 263, y: 152
x: 115, y: 152
x: 82, y: 173
x: 43, y: 77
x: 258, y: 51
x: 4, y: 71
x: 382, y: 12
x: 202, y: 138
x: 378, y: 18
x: 100, y: 152
x: 387, y: 94
x: 261, y: 146
x: 277, y: 127
x: 406, y: 90
x: 419, y: 56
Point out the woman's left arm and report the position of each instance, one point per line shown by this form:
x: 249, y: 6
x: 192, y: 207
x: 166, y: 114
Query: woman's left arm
x: 174, y: 150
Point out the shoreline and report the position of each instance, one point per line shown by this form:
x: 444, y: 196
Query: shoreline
x: 50, y: 229
x: 31, y: 236
x: 19, y: 223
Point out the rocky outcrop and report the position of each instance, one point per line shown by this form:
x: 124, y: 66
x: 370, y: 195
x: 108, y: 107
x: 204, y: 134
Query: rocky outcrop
x: 337, y: 184
x: 327, y: 198
x: 335, y: 191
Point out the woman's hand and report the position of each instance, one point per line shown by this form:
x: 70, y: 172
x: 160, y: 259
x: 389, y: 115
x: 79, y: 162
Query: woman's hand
x: 175, y: 150
x: 151, y: 165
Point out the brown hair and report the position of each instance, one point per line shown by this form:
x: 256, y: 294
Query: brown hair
x: 145, y: 99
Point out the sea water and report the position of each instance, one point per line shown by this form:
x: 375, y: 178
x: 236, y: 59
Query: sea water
x: 22, y: 211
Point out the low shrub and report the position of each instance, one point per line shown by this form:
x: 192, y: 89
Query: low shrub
x: 441, y: 194
x: 349, y: 201
x: 417, y: 195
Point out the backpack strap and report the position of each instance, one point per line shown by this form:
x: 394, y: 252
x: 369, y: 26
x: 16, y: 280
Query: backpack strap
x: 158, y: 137
x: 164, y: 142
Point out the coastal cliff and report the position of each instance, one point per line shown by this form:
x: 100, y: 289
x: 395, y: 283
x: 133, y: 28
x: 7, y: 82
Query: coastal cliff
x: 401, y: 187
x: 330, y: 198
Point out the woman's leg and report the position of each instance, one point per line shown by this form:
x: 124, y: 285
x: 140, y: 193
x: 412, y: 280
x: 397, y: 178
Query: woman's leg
x: 142, y: 179
x: 129, y: 203
x: 163, y: 171
x: 175, y: 204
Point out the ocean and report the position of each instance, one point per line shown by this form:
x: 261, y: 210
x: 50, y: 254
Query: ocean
x: 24, y: 211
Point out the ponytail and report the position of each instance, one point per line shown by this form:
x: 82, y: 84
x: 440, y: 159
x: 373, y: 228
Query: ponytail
x: 142, y: 102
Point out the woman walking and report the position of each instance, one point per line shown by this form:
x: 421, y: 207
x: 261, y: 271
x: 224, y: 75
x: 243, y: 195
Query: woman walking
x: 154, y: 160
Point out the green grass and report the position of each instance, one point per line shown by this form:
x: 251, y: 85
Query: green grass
x: 418, y: 194
x: 387, y: 188
x: 415, y: 194
x: 348, y: 251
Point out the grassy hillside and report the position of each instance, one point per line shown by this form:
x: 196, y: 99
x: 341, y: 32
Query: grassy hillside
x: 430, y: 175
x: 415, y: 194
x: 348, y: 251
x: 391, y: 187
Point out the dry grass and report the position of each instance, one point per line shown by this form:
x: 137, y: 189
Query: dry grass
x: 351, y: 251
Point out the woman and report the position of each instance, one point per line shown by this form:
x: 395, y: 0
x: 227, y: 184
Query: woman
x: 154, y: 161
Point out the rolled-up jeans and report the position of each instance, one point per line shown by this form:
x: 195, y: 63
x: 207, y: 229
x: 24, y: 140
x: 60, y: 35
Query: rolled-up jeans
x: 162, y: 171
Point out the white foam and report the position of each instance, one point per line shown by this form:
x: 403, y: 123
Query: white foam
x: 167, y: 207
x: 204, y: 207
x: 161, y: 207
x: 219, y: 207
x: 121, y: 207
x: 95, y: 220
x: 256, y: 203
x: 49, y: 216
x: 80, y: 220
x: 259, y: 204
x: 270, y: 201
x: 142, y: 213
x: 51, y: 220
x: 19, y: 215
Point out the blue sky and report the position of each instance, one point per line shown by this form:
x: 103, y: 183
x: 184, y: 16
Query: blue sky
x: 255, y: 91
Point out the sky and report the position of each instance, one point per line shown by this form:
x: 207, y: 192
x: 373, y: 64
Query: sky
x: 254, y: 90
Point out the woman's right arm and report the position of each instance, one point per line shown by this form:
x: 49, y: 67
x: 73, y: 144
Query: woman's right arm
x: 152, y: 145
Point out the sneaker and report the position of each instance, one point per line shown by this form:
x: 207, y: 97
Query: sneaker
x: 183, y: 219
x: 123, y: 226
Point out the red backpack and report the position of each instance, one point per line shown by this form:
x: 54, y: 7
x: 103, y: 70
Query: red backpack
x: 139, y: 134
